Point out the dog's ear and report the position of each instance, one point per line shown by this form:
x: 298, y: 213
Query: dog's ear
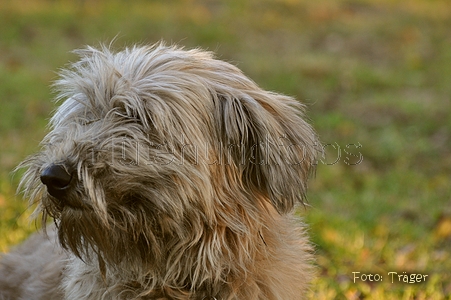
x: 265, y: 136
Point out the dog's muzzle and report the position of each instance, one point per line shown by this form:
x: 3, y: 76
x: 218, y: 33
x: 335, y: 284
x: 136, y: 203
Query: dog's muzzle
x: 57, y: 179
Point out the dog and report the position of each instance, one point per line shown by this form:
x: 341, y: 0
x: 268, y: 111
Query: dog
x: 168, y: 174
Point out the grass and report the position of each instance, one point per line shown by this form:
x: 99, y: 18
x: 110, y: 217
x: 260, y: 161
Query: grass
x: 373, y: 73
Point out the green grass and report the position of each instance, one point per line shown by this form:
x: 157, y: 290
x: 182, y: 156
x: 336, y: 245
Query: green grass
x: 374, y: 73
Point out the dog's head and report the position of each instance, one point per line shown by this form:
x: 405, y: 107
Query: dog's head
x: 153, y: 147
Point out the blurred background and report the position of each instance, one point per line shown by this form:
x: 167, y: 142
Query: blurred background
x: 374, y: 74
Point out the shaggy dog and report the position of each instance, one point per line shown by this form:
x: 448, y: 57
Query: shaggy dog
x: 169, y: 175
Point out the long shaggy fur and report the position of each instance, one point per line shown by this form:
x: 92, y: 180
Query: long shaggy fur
x: 185, y: 175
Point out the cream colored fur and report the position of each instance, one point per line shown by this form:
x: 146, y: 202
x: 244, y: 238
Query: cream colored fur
x: 184, y: 177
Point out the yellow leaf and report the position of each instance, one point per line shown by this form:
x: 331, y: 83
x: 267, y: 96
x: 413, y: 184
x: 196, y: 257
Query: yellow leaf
x: 443, y: 228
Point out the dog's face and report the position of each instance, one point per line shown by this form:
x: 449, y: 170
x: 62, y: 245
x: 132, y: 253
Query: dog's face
x: 154, y: 148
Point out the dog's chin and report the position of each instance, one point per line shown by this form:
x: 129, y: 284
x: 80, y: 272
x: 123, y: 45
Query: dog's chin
x: 70, y: 209
x: 82, y: 232
x: 78, y: 230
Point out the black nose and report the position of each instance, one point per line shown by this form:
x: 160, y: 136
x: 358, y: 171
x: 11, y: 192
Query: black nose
x: 57, y: 179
